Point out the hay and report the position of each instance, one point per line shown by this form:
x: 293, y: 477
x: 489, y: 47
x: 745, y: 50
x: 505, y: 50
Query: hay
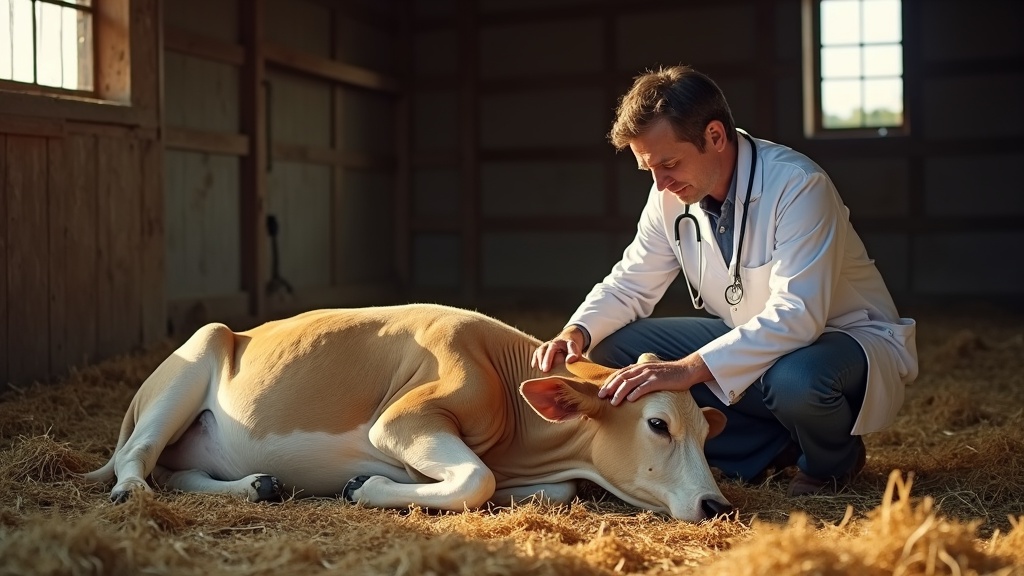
x: 941, y: 494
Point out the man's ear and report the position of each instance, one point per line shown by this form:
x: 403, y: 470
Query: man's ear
x: 715, y: 137
x: 716, y: 421
x: 556, y: 400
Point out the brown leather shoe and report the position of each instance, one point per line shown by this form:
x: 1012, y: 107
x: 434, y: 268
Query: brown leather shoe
x: 804, y: 484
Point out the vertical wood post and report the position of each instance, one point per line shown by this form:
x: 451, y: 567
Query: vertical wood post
x: 254, y: 165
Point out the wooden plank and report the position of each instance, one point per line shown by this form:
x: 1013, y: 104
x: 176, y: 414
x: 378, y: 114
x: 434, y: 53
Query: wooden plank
x: 152, y: 249
x: 145, y: 29
x: 58, y: 226
x: 469, y: 146
x: 185, y: 42
x: 404, y: 143
x: 4, y: 276
x: 329, y: 69
x: 254, y: 166
x: 112, y: 47
x: 31, y: 126
x: 28, y: 331
x: 83, y: 252
x: 22, y: 104
x: 120, y: 309
x: 203, y: 141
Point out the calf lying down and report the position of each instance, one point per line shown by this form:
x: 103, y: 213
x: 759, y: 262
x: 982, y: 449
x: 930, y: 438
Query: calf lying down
x: 407, y: 405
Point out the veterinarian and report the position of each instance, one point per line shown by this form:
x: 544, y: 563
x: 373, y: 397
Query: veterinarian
x: 804, y: 350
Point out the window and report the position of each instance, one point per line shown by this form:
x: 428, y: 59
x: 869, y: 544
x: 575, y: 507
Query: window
x: 854, y: 67
x: 47, y: 43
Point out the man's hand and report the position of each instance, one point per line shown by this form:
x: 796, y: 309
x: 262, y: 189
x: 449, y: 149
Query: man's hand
x: 568, y: 345
x: 634, y: 381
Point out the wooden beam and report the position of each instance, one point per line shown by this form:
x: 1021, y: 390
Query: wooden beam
x: 69, y: 108
x: 329, y: 69
x: 253, y: 196
x: 204, y: 141
x: 404, y: 117
x: 469, y: 146
x: 32, y: 126
x: 191, y: 44
x: 5, y: 240
x: 331, y: 157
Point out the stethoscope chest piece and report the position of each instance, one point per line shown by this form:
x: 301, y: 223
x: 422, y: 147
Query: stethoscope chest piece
x: 734, y: 293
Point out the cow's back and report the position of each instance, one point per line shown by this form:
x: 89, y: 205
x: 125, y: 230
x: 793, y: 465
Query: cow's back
x: 334, y: 370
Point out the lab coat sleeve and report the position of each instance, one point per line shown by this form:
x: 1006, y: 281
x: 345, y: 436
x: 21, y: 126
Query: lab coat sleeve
x: 637, y: 282
x: 809, y: 241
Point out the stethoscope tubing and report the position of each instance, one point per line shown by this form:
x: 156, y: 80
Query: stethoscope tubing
x: 733, y: 292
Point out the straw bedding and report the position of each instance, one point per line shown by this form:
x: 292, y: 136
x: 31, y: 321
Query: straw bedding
x: 941, y: 494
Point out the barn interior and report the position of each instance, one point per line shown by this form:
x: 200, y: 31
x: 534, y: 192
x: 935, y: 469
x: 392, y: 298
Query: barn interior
x: 449, y: 151
x: 169, y: 163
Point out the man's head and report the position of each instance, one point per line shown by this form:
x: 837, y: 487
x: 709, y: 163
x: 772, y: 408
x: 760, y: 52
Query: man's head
x: 678, y: 125
x: 688, y: 99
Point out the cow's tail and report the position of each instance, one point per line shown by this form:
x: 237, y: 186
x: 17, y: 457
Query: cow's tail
x: 169, y: 400
x: 105, y: 473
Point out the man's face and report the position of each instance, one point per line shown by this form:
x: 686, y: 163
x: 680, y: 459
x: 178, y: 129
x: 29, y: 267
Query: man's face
x: 677, y: 167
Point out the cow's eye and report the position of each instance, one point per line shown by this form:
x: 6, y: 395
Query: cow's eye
x: 658, y: 425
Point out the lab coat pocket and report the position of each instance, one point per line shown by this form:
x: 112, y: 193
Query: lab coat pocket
x: 756, y: 291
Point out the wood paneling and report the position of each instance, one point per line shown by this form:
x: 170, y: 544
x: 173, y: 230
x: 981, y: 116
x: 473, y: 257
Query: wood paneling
x: 4, y: 269
x: 82, y: 255
x: 28, y: 333
x: 58, y: 223
x: 119, y: 286
x: 152, y: 245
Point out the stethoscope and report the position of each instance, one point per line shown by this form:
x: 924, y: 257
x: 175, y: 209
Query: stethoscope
x: 733, y: 292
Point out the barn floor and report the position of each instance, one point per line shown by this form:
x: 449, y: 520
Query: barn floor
x: 942, y: 493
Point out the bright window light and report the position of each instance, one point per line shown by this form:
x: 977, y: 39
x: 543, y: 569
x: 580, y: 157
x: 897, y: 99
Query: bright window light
x: 47, y: 42
x: 861, y: 64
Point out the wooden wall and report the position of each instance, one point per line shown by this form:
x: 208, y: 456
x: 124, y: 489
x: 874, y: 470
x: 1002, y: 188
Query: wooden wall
x: 517, y: 196
x: 282, y: 108
x: 81, y: 221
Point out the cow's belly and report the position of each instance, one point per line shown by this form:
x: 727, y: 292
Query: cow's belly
x: 308, y: 463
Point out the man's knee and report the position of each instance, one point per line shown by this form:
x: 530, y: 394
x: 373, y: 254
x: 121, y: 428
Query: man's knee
x: 611, y: 352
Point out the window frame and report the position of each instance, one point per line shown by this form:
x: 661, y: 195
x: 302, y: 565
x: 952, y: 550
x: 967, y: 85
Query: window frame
x: 812, y: 80
x: 111, y: 57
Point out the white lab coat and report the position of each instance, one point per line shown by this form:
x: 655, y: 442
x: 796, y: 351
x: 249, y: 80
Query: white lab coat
x: 804, y: 271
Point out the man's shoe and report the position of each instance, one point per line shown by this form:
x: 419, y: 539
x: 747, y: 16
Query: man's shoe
x: 804, y: 484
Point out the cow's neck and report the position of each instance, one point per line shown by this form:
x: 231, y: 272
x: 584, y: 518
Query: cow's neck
x: 538, y: 449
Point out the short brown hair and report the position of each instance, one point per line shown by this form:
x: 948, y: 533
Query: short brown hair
x: 687, y: 98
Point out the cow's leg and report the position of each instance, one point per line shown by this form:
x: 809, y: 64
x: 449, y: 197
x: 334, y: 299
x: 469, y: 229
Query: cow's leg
x: 462, y: 479
x: 254, y: 488
x: 167, y: 404
x: 556, y: 493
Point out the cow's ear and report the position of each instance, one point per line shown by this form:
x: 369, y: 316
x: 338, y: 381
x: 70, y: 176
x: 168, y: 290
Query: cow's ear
x: 716, y: 421
x: 556, y: 400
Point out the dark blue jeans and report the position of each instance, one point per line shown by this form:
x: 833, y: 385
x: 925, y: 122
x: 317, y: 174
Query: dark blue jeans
x: 810, y: 396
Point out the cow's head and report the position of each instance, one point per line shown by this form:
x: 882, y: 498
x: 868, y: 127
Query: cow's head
x: 649, y: 452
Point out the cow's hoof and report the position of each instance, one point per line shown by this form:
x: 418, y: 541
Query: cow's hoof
x: 265, y: 487
x: 123, y: 491
x: 353, y: 485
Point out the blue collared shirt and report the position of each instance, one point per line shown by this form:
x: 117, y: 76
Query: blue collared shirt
x: 721, y: 217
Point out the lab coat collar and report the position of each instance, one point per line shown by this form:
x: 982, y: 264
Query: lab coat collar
x: 743, y: 151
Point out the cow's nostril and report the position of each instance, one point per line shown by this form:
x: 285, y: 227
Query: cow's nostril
x: 714, y: 508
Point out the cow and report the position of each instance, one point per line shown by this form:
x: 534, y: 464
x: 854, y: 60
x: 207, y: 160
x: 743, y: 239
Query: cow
x: 392, y: 406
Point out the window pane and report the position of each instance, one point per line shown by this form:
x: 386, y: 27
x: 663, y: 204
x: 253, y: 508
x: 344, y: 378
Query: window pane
x: 883, y: 100
x: 841, y: 103
x: 883, y: 60
x: 840, y: 22
x: 840, y: 62
x: 49, y: 56
x: 882, y: 21
x: 18, y: 50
